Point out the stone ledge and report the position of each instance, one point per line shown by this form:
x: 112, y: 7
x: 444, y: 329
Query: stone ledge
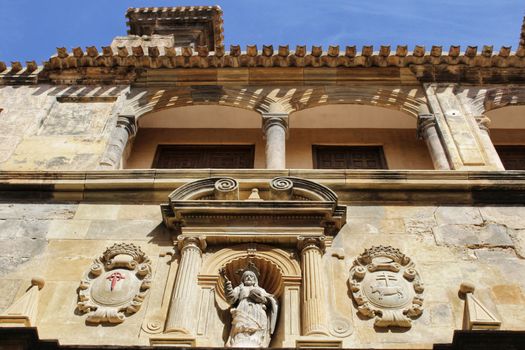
x: 353, y: 186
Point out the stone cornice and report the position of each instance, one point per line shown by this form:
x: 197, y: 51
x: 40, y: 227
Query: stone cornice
x: 352, y: 186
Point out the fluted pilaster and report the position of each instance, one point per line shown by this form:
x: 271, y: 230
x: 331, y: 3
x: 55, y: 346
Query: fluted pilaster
x: 185, y: 292
x: 314, y: 315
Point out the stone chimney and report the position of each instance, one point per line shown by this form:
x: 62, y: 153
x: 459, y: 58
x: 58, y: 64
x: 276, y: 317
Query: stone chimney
x: 179, y: 26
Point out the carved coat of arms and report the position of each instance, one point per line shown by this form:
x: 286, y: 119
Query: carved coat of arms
x: 115, y: 285
x: 385, y: 284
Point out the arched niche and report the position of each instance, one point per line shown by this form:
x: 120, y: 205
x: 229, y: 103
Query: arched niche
x: 280, y: 275
x: 276, y: 266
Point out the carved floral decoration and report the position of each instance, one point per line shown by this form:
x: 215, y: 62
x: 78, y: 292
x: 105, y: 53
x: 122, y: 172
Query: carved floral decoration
x: 115, y: 285
x: 385, y: 284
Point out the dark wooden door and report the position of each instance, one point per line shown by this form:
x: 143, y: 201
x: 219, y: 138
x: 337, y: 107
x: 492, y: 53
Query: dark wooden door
x: 204, y: 156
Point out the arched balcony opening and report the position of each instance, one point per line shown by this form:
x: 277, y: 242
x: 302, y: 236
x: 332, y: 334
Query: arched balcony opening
x: 321, y: 136
x: 507, y: 132
x: 231, y: 136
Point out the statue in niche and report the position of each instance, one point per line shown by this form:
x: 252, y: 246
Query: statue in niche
x: 254, y: 311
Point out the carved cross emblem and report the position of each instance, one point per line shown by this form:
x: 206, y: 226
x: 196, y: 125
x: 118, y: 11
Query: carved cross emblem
x: 384, y: 288
x: 114, y: 278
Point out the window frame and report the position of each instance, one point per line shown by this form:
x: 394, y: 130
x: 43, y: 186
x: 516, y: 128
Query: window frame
x: 249, y: 147
x: 317, y: 147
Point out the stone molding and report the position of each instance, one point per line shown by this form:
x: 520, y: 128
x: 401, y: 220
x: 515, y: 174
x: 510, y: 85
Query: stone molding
x: 311, y: 207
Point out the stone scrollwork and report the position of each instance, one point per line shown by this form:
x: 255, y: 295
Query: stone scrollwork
x: 385, y: 284
x: 226, y: 189
x: 115, y: 285
x: 281, y: 188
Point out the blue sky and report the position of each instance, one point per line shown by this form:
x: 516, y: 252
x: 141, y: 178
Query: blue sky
x: 32, y: 29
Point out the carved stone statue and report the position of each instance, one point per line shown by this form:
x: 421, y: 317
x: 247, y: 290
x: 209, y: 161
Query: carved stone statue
x: 254, y: 311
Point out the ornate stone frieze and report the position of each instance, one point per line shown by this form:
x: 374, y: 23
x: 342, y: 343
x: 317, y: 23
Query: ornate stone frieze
x: 385, y: 284
x: 115, y: 285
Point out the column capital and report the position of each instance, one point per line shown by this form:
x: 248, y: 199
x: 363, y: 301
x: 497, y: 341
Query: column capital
x: 127, y: 122
x: 305, y: 242
x: 424, y: 122
x: 483, y: 122
x: 274, y: 119
x: 187, y: 242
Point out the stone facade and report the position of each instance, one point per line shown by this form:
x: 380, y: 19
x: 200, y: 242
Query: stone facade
x: 97, y: 247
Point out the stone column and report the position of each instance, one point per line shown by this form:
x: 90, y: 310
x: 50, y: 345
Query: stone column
x: 492, y: 155
x: 183, y: 308
x: 314, y: 315
x: 126, y: 128
x: 426, y: 130
x: 275, y: 128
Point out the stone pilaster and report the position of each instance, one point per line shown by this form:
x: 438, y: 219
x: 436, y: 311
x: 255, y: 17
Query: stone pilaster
x: 492, y: 155
x: 125, y: 129
x: 314, y: 305
x: 183, y: 305
x: 426, y: 130
x: 275, y: 129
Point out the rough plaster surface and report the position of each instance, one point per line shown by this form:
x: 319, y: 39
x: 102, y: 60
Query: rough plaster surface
x: 75, y: 133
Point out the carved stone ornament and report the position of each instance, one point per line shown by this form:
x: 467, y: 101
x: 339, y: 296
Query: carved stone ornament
x: 385, y: 284
x: 115, y: 285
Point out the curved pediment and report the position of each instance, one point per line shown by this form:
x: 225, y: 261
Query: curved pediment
x: 226, y: 207
x: 279, y: 188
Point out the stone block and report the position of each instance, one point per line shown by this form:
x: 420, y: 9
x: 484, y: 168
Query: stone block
x: 375, y: 225
x: 512, y: 217
x: 458, y: 215
x: 37, y: 211
x: 518, y: 236
x: 359, y: 211
x: 441, y: 315
x: 472, y: 236
x: 8, y: 292
x: 9, y: 228
x: 33, y: 229
x: 508, y: 294
x: 68, y: 229
x: 139, y: 212
x: 142, y: 230
x: 97, y: 212
x: 419, y: 226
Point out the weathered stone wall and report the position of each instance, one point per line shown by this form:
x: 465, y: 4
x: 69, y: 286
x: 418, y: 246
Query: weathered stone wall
x: 55, y: 128
x: 449, y: 244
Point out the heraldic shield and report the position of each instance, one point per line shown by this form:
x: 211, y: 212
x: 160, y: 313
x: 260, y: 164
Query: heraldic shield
x: 385, y: 284
x: 115, y: 285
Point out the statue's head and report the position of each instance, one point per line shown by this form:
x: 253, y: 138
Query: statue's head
x: 249, y: 278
